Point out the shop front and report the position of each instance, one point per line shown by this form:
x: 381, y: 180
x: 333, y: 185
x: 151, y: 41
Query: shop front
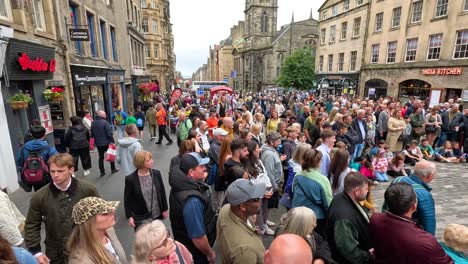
x: 90, y: 90
x: 337, y: 84
x: 116, y: 84
x: 136, y: 81
x: 432, y: 84
x: 28, y: 65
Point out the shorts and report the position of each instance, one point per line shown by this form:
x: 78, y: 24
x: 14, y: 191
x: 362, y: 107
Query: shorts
x: 141, y: 128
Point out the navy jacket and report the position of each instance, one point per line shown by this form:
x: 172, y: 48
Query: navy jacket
x: 355, y: 125
x: 101, y: 132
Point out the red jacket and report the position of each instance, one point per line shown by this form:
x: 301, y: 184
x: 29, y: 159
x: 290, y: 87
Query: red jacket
x: 400, y: 240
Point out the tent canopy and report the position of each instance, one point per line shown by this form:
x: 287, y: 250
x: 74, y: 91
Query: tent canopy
x: 218, y: 89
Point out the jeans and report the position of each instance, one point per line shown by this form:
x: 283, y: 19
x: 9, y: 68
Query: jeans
x: 358, y: 148
x: 446, y: 135
x: 102, y: 151
x: 381, y: 176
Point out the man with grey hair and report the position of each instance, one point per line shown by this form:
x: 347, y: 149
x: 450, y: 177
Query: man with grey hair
x: 359, y: 125
x: 424, y: 173
x: 101, y: 131
x: 451, y: 120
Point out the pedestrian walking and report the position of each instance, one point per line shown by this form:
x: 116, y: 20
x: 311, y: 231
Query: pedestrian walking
x: 151, y: 120
x: 161, y: 118
x: 101, y: 131
x: 77, y: 141
x: 127, y: 148
x: 140, y: 121
x: 119, y: 118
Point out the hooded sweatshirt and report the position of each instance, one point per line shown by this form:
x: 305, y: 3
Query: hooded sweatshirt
x: 35, y: 145
x: 126, y: 150
x: 272, y: 162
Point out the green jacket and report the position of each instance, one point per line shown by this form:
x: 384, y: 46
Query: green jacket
x: 184, y: 129
x: 53, y: 207
x: 238, y: 242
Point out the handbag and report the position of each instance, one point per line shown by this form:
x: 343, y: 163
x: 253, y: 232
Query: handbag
x: 91, y: 143
x: 111, y: 153
x: 418, y: 131
x: 430, y: 129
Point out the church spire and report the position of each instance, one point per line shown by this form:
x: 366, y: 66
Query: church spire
x: 311, y: 14
x: 292, y: 18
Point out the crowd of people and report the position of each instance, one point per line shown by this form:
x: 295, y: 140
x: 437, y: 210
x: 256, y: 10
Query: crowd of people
x: 239, y: 157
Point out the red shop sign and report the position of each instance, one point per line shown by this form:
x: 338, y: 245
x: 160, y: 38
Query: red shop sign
x: 37, y: 65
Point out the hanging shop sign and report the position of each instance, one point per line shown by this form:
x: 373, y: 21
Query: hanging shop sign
x: 79, y: 34
x: 46, y: 118
x: 442, y: 71
x: 38, y: 64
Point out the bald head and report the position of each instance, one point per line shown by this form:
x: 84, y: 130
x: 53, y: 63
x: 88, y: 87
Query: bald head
x: 101, y: 113
x: 228, y: 122
x: 289, y: 248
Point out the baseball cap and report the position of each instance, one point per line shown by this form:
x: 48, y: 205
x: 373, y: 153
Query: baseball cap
x: 220, y: 132
x: 92, y: 206
x: 242, y: 190
x: 192, y: 160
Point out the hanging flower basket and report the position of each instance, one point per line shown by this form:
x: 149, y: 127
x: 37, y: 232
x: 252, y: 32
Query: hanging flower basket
x: 20, y: 101
x: 148, y: 88
x: 54, y: 94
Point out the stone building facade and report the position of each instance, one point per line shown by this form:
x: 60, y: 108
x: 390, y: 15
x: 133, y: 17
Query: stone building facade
x: 159, y: 42
x: 342, y: 33
x: 416, y: 49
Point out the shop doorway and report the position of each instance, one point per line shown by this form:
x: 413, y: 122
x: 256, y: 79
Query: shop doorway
x: 452, y: 94
x: 414, y: 88
x: 91, y: 99
x: 375, y: 88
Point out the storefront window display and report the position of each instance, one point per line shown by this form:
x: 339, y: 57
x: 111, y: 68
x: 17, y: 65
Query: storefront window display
x: 416, y: 88
x: 116, y: 93
x: 376, y: 88
x: 92, y: 98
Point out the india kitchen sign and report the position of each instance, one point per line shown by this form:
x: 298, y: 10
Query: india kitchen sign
x: 442, y: 71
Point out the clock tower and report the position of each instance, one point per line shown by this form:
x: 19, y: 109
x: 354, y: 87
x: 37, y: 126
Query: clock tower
x: 260, y: 21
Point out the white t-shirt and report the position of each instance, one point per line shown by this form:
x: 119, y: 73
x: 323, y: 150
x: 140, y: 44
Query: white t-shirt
x: 111, y: 249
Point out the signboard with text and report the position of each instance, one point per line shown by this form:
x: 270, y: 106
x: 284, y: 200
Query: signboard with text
x: 46, y: 118
x: 79, y: 34
x: 442, y: 71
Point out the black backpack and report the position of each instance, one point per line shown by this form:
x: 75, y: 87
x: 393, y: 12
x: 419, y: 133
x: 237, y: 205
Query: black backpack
x: 35, y: 169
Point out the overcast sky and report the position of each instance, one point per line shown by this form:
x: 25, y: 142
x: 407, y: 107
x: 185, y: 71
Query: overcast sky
x: 197, y: 24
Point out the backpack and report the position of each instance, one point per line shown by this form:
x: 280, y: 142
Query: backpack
x: 118, y: 119
x: 139, y: 122
x: 35, y: 169
x: 212, y: 174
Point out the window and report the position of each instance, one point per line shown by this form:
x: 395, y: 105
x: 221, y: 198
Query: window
x: 155, y: 26
x: 461, y: 46
x: 144, y: 25
x: 264, y: 22
x: 330, y: 62
x: 416, y: 12
x: 92, y: 34
x: 465, y: 5
x: 359, y: 2
x: 411, y: 47
x: 5, y: 10
x: 331, y: 38
x: 391, y: 52
x: 148, y: 51
x: 39, y: 19
x: 104, y: 39
x: 279, y: 62
x: 378, y: 22
x: 323, y: 33
x: 435, y: 43
x: 344, y: 30
x: 346, y: 5
x: 115, y: 56
x: 143, y: 3
x: 321, y: 63
x: 357, y: 27
x: 441, y: 8
x: 325, y: 15
x: 75, y: 22
x: 340, y: 62
x: 153, y: 4
x: 335, y: 10
x: 396, y: 17
x: 156, y: 50
x: 375, y: 53
x: 352, y: 61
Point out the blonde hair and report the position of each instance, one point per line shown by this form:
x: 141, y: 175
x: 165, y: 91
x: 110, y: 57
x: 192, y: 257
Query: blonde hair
x: 298, y: 155
x: 333, y: 113
x: 456, y: 237
x: 300, y: 221
x: 62, y: 160
x: 84, y: 238
x: 256, y: 129
x: 145, y: 238
x: 141, y: 157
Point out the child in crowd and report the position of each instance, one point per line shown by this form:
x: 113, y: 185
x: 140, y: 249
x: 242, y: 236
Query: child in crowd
x: 302, y: 138
x: 368, y: 203
x: 380, y: 164
x: 445, y: 153
x: 426, y: 149
x: 370, y: 135
x: 357, y: 164
x: 376, y: 149
x: 388, y: 154
x: 367, y: 170
x: 457, y: 152
x: 412, y: 153
x: 396, y: 166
